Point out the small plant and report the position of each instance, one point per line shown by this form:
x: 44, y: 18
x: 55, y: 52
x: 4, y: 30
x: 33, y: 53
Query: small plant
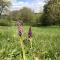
x: 30, y: 35
x: 20, y: 32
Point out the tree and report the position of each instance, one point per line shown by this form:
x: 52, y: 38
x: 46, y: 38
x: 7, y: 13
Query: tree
x: 51, y: 13
x: 26, y: 14
x: 4, y: 4
x: 14, y: 15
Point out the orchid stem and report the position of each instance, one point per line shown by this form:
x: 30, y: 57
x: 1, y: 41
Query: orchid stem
x: 22, y: 46
x: 30, y: 42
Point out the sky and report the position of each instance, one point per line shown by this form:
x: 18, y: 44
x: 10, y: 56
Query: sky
x: 35, y: 5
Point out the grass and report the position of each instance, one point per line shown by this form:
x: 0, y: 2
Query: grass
x: 45, y: 43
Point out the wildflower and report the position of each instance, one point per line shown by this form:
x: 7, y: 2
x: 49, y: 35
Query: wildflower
x: 30, y: 32
x: 20, y: 28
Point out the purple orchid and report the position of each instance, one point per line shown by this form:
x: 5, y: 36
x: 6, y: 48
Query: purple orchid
x: 20, y: 28
x: 30, y: 32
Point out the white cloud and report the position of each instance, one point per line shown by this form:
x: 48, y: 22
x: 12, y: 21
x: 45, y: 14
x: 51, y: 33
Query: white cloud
x: 36, y: 5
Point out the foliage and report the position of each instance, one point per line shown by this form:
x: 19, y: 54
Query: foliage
x: 51, y: 13
x: 37, y: 19
x: 14, y: 15
x: 5, y: 21
x: 26, y: 14
x: 4, y: 6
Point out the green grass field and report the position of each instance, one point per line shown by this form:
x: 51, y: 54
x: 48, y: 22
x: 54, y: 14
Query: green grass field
x: 45, y: 43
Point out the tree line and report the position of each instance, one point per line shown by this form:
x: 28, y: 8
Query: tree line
x: 49, y: 16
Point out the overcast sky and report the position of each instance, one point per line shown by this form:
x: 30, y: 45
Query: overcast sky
x: 36, y: 5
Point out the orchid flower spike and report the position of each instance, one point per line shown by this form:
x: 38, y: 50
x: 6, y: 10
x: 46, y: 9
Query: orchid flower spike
x: 20, y: 28
x: 30, y: 32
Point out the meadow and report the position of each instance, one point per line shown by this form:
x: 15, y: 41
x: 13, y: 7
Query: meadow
x: 45, y: 43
